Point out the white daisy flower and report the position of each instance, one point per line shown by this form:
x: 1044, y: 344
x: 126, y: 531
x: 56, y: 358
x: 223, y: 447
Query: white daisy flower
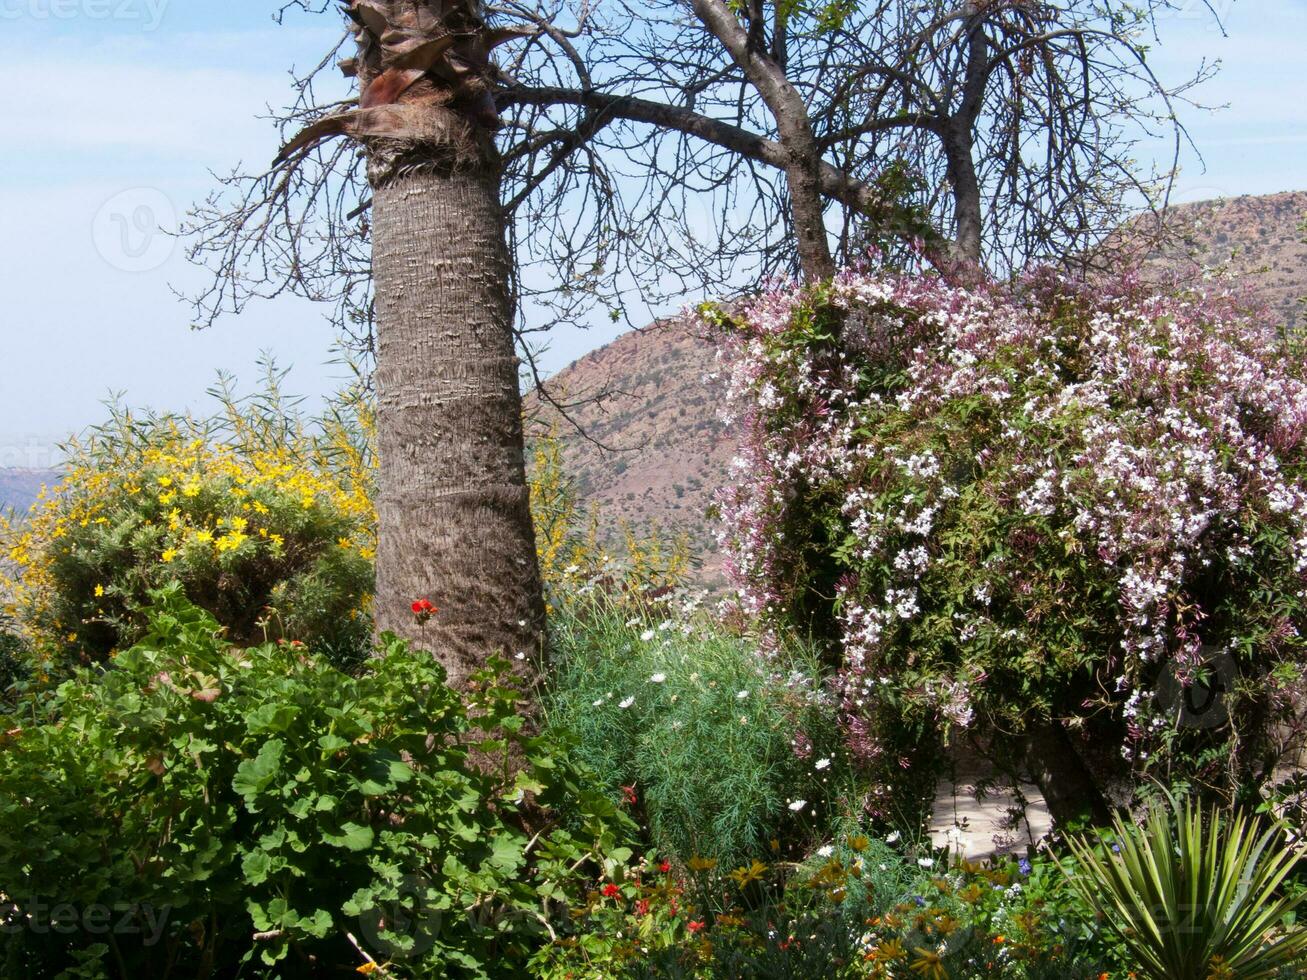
x: 626, y: 702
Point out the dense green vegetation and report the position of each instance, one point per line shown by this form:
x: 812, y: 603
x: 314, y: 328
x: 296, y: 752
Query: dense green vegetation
x: 198, y: 809
x: 711, y: 744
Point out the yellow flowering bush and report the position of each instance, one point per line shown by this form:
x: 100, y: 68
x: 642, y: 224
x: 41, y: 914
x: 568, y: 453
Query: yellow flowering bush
x: 266, y: 520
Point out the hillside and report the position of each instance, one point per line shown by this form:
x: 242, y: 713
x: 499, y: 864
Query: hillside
x: 655, y: 449
x: 664, y: 450
x: 1261, y: 241
x: 19, y: 487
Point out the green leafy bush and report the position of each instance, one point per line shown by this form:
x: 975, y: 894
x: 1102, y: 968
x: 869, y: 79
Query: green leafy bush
x: 1194, y: 896
x: 720, y: 750
x: 13, y: 657
x: 260, y: 810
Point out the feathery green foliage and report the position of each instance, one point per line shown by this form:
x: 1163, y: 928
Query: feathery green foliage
x: 717, y: 742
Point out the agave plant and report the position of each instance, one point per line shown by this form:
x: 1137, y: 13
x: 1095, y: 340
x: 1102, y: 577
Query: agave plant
x: 1195, y: 896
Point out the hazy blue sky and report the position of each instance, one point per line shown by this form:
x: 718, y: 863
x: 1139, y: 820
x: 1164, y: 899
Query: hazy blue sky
x: 117, y: 109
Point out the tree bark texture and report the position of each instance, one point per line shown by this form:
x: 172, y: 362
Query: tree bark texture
x: 1068, y: 786
x: 453, y: 511
x: 969, y: 214
x: 959, y: 143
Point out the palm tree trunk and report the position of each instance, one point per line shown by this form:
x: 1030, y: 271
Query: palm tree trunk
x: 453, y: 509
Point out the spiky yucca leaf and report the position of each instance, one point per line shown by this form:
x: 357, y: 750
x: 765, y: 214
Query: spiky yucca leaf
x: 1194, y: 896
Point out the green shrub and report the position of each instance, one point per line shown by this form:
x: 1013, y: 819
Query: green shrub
x: 1194, y: 896
x: 13, y: 659
x: 261, y: 811
x: 714, y: 742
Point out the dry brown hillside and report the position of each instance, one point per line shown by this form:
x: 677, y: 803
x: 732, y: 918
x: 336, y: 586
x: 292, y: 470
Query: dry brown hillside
x: 1259, y: 240
x: 656, y: 450
x: 671, y: 451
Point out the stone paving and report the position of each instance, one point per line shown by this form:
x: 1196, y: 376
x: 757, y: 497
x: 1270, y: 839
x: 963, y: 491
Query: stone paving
x: 978, y: 829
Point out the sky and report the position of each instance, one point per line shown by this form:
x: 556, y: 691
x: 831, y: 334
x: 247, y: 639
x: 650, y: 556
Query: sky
x: 117, y: 111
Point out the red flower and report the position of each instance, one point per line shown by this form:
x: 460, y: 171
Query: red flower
x: 611, y: 890
x: 423, y: 610
x: 629, y: 793
x: 665, y: 867
x: 695, y: 926
x: 642, y: 907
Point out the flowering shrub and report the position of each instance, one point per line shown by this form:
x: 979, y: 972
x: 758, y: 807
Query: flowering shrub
x: 1055, y: 500
x: 266, y: 522
x: 258, y: 811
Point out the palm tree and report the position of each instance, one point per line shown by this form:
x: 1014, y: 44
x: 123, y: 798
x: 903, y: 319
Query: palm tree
x: 453, y: 504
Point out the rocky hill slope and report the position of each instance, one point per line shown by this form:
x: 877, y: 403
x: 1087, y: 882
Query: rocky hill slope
x: 1261, y: 241
x: 657, y: 450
